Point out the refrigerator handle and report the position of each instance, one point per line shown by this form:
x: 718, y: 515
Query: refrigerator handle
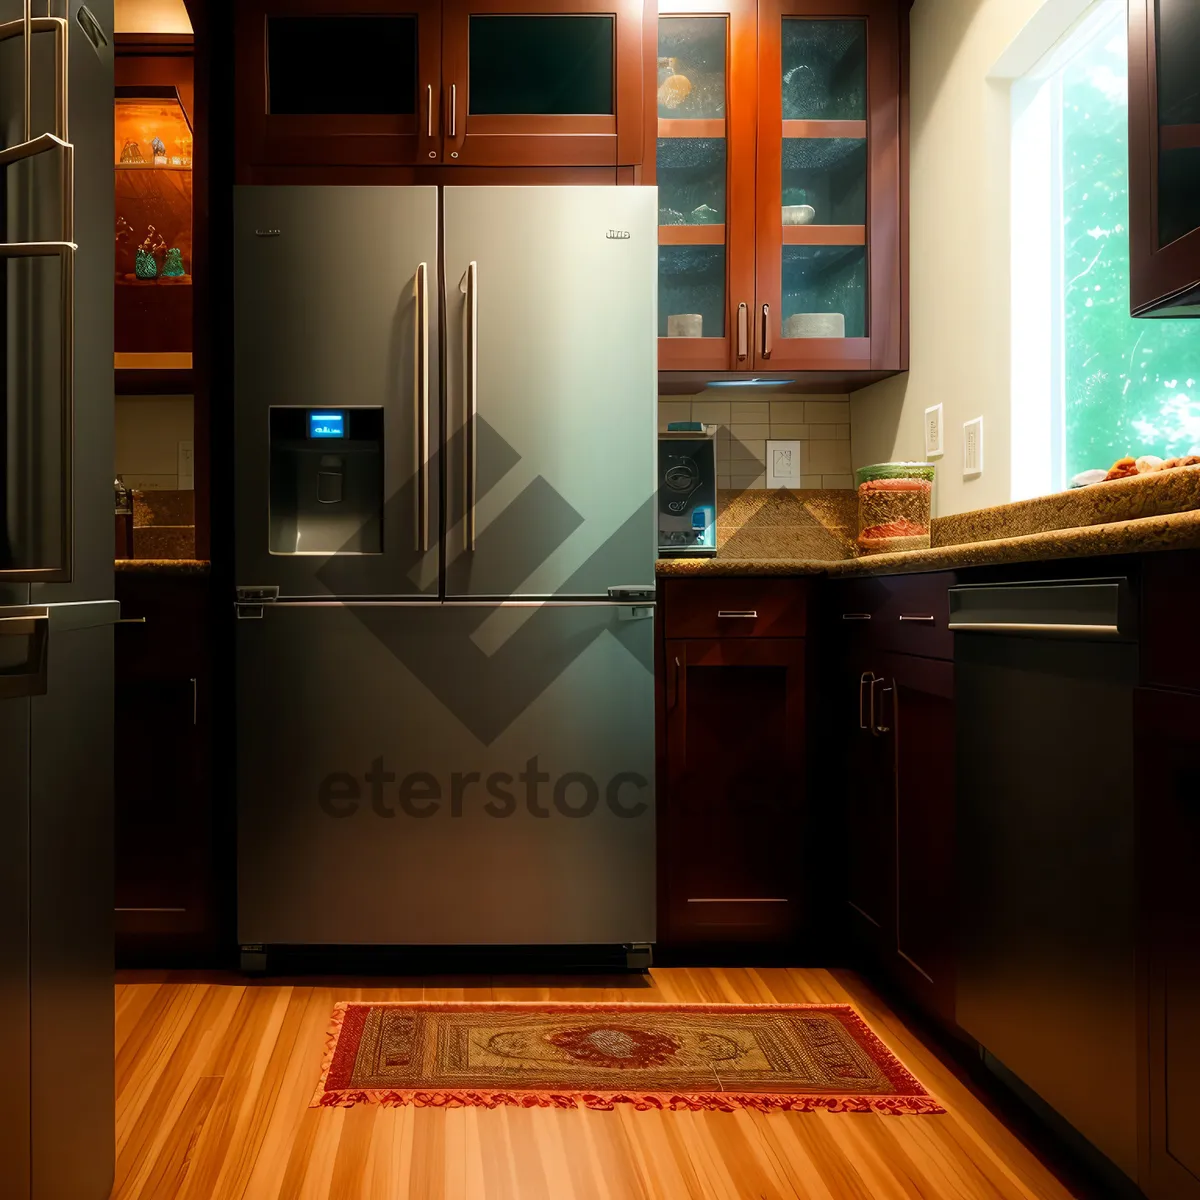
x: 469, y: 286
x: 421, y: 407
x: 32, y: 680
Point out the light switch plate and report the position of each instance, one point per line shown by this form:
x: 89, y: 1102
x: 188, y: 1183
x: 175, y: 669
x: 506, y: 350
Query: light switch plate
x: 186, y: 470
x: 934, y: 446
x: 783, y: 464
x: 973, y: 447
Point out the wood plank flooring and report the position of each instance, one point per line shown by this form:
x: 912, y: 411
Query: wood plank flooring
x: 214, y: 1076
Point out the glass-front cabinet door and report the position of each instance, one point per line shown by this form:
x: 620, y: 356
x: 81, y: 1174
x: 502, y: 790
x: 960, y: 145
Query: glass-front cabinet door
x: 1164, y: 157
x: 705, y: 174
x: 542, y: 83
x: 828, y: 228
x: 346, y: 85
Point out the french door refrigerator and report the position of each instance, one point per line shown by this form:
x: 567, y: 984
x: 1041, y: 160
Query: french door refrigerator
x: 445, y: 529
x: 56, y: 607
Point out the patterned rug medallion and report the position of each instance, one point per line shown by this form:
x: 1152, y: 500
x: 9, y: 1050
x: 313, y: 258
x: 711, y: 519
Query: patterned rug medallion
x: 694, y: 1056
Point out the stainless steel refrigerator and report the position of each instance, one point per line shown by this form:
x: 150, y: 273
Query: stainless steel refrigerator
x: 445, y: 437
x: 56, y: 606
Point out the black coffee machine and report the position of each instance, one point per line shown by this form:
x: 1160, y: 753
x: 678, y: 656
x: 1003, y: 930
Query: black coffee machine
x: 687, y: 491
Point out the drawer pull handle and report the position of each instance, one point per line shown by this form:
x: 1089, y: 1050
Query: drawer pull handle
x: 856, y: 616
x: 742, y: 614
x: 918, y: 617
x: 737, y: 900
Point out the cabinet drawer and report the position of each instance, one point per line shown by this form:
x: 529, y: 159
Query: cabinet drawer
x: 713, y: 608
x: 908, y: 614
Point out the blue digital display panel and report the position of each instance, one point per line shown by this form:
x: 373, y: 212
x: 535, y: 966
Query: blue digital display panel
x: 326, y: 423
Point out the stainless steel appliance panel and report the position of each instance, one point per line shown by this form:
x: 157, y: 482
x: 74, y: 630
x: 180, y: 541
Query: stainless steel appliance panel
x: 381, y: 764
x: 551, y: 352
x: 71, y: 908
x: 1046, y: 967
x: 336, y: 307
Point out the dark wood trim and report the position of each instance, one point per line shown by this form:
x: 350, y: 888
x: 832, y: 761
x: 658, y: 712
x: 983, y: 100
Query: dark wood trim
x: 822, y: 129
x: 157, y: 383
x: 428, y: 176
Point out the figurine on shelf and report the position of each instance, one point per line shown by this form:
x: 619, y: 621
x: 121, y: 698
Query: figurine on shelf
x: 173, y: 264
x: 146, y: 264
x: 160, y: 152
x: 184, y: 142
x: 124, y: 230
x: 131, y: 152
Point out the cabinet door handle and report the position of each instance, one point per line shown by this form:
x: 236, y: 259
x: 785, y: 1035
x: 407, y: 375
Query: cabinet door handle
x: 195, y: 701
x: 743, y: 331
x: 856, y: 616
x: 767, y: 340
x: 738, y: 614
x: 673, y: 678
x: 453, y: 109
x: 865, y: 678
x: 927, y: 617
x: 876, y: 728
x: 429, y: 110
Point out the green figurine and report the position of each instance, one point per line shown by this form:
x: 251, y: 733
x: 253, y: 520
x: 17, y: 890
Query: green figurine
x: 173, y: 264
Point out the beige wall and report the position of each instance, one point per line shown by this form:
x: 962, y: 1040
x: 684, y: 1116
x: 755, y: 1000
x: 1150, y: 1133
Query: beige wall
x: 959, y: 241
x: 148, y: 432
x: 747, y: 418
x: 151, y: 16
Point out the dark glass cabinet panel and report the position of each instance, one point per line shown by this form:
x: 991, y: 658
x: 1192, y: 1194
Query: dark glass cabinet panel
x: 1178, y: 42
x: 824, y: 70
x: 691, y: 284
x: 824, y: 291
x: 691, y: 68
x: 342, y: 65
x: 829, y: 175
x: 542, y: 64
x: 691, y: 181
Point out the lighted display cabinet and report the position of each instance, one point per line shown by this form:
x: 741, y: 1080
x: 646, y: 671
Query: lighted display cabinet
x: 152, y: 166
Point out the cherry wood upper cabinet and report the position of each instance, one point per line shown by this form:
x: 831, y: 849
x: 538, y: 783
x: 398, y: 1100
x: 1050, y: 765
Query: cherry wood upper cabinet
x: 542, y: 83
x: 704, y: 160
x: 829, y: 203
x: 483, y: 83
x: 780, y: 164
x: 1164, y: 158
x: 317, y: 85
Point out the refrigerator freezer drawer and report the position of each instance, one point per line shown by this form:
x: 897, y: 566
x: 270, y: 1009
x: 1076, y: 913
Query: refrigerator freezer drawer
x: 425, y: 774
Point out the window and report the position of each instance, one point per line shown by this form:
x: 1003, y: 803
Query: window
x: 1090, y: 383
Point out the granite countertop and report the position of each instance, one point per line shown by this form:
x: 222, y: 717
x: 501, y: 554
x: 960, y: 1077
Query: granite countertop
x: 812, y: 533
x: 162, y: 566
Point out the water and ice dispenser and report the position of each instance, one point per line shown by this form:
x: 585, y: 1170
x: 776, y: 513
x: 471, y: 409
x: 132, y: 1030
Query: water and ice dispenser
x: 326, y: 480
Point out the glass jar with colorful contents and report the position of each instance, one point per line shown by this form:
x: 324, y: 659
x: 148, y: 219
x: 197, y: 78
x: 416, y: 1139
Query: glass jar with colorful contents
x: 893, y: 507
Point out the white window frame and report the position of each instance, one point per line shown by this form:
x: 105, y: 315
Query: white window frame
x: 1038, y: 367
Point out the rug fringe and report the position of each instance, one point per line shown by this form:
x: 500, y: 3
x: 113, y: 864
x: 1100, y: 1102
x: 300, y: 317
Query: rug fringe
x: 764, y: 1102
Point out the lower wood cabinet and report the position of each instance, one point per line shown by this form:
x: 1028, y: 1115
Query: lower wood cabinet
x: 897, y: 717
x: 166, y: 907
x: 731, y: 829
x: 1167, y: 731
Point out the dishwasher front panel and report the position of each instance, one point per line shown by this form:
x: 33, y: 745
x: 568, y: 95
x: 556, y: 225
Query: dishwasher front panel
x: 1047, y: 980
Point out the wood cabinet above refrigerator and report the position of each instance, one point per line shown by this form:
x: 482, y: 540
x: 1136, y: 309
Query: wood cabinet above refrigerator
x: 430, y: 83
x: 781, y: 160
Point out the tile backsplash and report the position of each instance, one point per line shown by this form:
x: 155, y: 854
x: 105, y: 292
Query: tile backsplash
x: 148, y: 432
x: 820, y: 423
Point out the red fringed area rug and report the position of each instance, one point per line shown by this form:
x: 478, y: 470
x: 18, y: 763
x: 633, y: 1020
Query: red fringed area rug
x: 722, y: 1057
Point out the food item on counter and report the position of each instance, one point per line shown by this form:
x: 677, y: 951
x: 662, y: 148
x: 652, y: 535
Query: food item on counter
x: 1086, y: 478
x: 893, y: 507
x: 1123, y: 468
x: 1188, y: 460
x: 1129, y: 467
x: 1147, y: 463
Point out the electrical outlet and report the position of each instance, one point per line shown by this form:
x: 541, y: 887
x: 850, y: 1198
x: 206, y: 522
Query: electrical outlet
x: 186, y: 469
x: 783, y: 464
x: 973, y: 447
x: 934, y: 447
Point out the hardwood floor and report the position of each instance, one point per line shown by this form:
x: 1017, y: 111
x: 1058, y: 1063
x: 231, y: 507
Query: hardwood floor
x: 214, y: 1076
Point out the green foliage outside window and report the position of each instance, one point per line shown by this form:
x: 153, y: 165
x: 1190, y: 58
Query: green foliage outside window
x: 1132, y: 386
